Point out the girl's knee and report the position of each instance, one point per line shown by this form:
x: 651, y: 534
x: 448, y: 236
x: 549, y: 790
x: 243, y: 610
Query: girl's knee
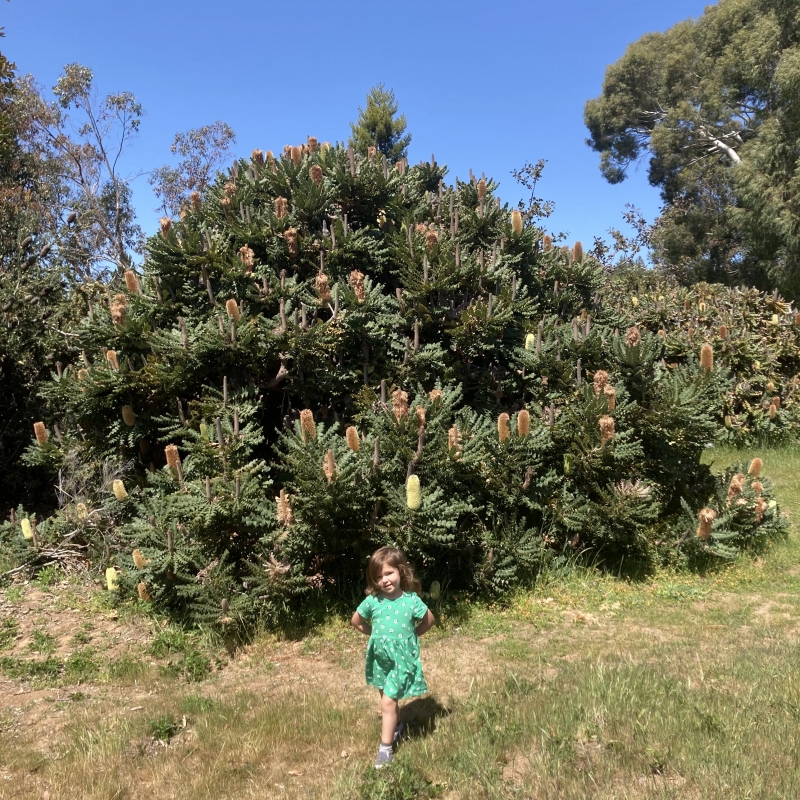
x: 388, y: 703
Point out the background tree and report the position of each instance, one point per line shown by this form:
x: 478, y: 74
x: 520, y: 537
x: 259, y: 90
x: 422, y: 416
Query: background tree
x: 202, y: 152
x: 377, y: 126
x: 713, y: 103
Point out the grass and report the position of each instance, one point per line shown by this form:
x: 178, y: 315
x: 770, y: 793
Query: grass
x: 588, y: 686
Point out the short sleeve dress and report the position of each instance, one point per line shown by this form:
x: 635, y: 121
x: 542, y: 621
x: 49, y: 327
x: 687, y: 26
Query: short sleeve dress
x: 393, y: 663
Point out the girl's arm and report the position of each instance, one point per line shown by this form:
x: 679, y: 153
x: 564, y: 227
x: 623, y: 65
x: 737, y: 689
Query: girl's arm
x: 360, y: 624
x: 426, y: 623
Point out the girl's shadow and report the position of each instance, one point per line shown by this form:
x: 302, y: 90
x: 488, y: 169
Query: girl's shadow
x: 420, y: 716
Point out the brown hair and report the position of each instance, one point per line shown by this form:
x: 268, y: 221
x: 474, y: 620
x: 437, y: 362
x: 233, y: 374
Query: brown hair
x: 394, y: 558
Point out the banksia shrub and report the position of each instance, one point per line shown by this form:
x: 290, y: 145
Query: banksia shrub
x: 316, y: 174
x: 632, y: 336
x: 611, y: 397
x: 329, y: 466
x: 707, y: 357
x: 120, y: 492
x: 27, y: 528
x: 323, y: 288
x: 413, y: 493
x: 232, y: 309
x: 577, y: 251
x: 523, y: 422
x: 166, y: 226
x: 356, y: 282
x: 172, y: 455
x: 503, y: 429
x: 40, y: 432
x: 128, y: 416
x: 285, y: 516
x: 431, y: 239
x: 290, y: 234
x: 481, y: 188
x: 599, y: 381
x: 247, y: 257
x: 138, y: 559
x: 141, y: 589
x: 353, y: 441
x: 131, y: 281
x: 118, y: 309
x: 281, y: 207
x: 111, y: 358
x: 516, y: 222
x: 607, y: 428
x: 400, y: 404
x: 756, y: 465
x: 307, y: 427
x: 706, y: 517
x: 112, y: 580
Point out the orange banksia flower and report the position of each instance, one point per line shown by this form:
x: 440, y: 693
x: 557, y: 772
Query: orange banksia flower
x: 516, y: 222
x: 195, y: 198
x: 307, y: 426
x: 706, y: 517
x: 707, y: 357
x: 111, y: 358
x: 632, y: 337
x: 281, y: 207
x: 547, y: 243
x: 138, y: 559
x: 420, y: 414
x: 329, y: 466
x: 247, y: 257
x: 723, y: 331
x: 232, y: 309
x: 611, y: 397
x: 119, y: 307
x: 434, y: 395
x: 316, y: 174
x: 131, y: 281
x: 40, y: 432
x: 290, y: 234
x: 141, y: 589
x: 257, y: 156
x: 761, y: 507
x: 172, y: 455
x: 431, y: 239
x: 353, y: 441
x: 577, y: 251
x: 312, y: 144
x: 357, y: 285
x: 523, y: 422
x: 454, y: 439
x: 757, y: 488
x: 607, y: 429
x: 481, y: 189
x: 296, y: 153
x: 599, y: 382
x: 756, y: 465
x: 773, y: 411
x: 400, y: 404
x: 285, y: 516
x: 323, y: 287
x: 166, y: 226
x: 735, y: 487
x: 503, y: 429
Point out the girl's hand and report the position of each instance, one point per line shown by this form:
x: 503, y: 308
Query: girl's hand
x: 360, y: 624
x: 426, y: 623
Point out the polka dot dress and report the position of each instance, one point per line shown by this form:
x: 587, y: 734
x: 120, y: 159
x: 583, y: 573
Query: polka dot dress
x: 393, y: 651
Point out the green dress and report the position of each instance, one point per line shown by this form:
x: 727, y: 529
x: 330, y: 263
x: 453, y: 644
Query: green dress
x: 393, y: 663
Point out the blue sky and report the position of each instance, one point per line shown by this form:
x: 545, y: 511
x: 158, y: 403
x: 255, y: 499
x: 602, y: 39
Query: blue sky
x: 484, y: 85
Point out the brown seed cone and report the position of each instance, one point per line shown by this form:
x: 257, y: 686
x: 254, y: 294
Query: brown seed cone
x: 172, y: 455
x: 111, y: 358
x: 118, y: 309
x: 281, y: 207
x: 232, y: 309
x: 308, y: 430
x: 247, y: 257
x: 516, y: 222
x: 431, y: 239
x: 353, y: 441
x: 329, y: 466
x: 290, y: 234
x: 128, y: 416
x: 599, y: 381
x: 400, y: 404
x: 707, y: 357
x: 706, y: 517
x: 141, y: 588
x: 607, y: 428
x: 547, y: 243
x: 166, y: 226
x: 611, y: 397
x: 357, y: 284
x: 420, y: 414
x: 632, y: 336
x: 323, y: 288
x: 503, y: 428
x: 40, y: 432
x: 316, y: 174
x: 257, y: 156
x: 523, y: 422
x: 577, y: 251
x: 131, y: 281
x: 296, y: 154
x: 481, y: 189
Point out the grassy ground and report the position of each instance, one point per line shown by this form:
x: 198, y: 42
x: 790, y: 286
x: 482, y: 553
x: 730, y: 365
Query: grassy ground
x: 679, y: 686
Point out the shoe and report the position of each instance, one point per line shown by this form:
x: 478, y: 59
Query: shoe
x: 384, y: 757
x: 399, y: 732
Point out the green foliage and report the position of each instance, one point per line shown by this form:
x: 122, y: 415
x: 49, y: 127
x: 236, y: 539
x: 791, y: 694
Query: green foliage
x: 378, y: 127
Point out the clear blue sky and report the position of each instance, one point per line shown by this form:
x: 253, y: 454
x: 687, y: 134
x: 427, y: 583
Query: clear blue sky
x: 484, y: 84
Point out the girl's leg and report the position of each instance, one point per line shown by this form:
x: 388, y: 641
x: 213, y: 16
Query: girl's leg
x: 389, y: 713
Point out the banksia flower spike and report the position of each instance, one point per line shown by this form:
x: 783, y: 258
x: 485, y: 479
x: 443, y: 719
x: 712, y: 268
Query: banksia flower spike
x: 770, y: 386
x: 323, y: 288
x: 329, y: 466
x: 290, y: 234
x: 757, y: 488
x: 232, y: 309
x: 547, y: 243
x: 503, y: 429
x: 281, y: 207
x: 371, y: 152
x: 728, y: 421
x: 632, y: 336
x: 756, y: 465
x: 436, y: 590
x: 797, y: 319
x: 735, y: 487
x: 357, y: 285
x: 707, y: 357
x: 118, y: 308
x: 111, y: 358
x: 120, y: 492
x: 247, y: 257
x: 81, y: 511
x: 523, y: 422
x: 128, y: 416
x: 226, y: 203
x: 599, y: 381
x: 112, y: 578
x: 706, y: 517
x: 307, y: 427
x: 662, y: 333
x: 607, y: 428
x: 530, y: 342
x: 516, y: 222
x: 166, y: 226
x: 577, y: 251
x: 40, y: 432
x: 141, y: 589
x: 313, y: 143
x: 230, y: 188
x: 453, y: 439
x: 776, y: 401
x: 316, y: 174
x: 773, y: 411
x: 82, y: 373
x: 27, y: 528
x: 435, y: 395
x: 481, y: 188
x: 285, y: 516
x: 296, y: 154
x: 353, y: 441
x: 761, y: 507
x: 687, y: 304
x: 431, y: 239
x: 257, y: 156
x: 611, y: 397
x: 131, y: 282
x: 400, y: 404
x: 172, y: 455
x: 413, y: 493
x: 420, y: 415
x: 723, y: 331
x: 138, y: 559
x: 195, y: 199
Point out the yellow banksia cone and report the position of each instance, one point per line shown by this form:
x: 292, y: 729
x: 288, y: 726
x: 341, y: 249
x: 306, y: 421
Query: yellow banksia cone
x: 141, y: 589
x: 138, y: 559
x: 707, y: 357
x: 530, y: 342
x: 112, y: 580
x: 523, y: 422
x: 706, y: 517
x: 232, y: 309
x: 413, y: 493
x: 131, y: 281
x: 120, y: 492
x: 353, y: 442
x: 634, y: 301
x: 503, y: 429
x: 128, y: 416
x: 400, y: 404
x: 516, y: 222
x: 607, y: 428
x: 27, y: 529
x: 40, y: 432
x: 111, y: 358
x: 728, y: 421
x: 329, y: 466
x: 81, y: 511
x: 776, y: 401
x: 611, y: 397
x: 307, y: 427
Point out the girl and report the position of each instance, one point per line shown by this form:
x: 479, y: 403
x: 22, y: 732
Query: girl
x: 393, y: 616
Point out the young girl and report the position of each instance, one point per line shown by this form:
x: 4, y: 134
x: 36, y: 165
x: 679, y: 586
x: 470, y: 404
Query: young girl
x: 393, y: 616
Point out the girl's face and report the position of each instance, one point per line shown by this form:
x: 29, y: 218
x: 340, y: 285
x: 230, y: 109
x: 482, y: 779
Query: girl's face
x: 389, y: 580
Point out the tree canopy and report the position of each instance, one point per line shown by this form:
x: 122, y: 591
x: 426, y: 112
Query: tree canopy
x: 378, y: 127
x: 713, y: 102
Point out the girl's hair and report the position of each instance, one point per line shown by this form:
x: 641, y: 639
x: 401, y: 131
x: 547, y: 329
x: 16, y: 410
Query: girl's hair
x: 394, y: 558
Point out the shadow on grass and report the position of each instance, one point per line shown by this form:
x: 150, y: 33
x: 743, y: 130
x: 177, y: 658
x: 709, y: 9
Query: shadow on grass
x: 421, y: 715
